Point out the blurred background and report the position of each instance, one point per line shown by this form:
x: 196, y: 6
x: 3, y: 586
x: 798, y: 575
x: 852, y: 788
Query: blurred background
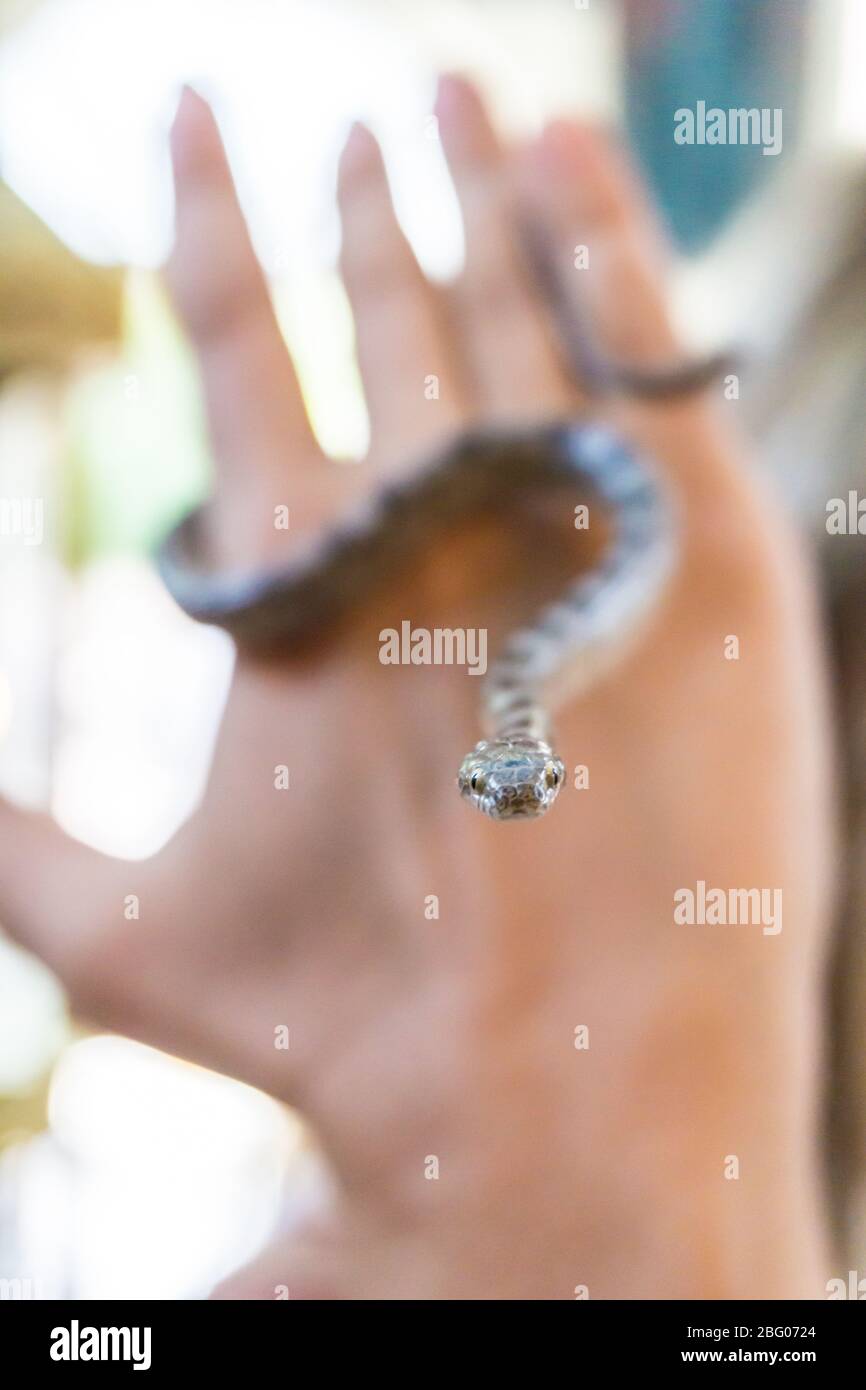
x: 123, y: 1172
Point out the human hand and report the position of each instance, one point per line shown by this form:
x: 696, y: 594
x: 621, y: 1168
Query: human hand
x: 454, y: 1037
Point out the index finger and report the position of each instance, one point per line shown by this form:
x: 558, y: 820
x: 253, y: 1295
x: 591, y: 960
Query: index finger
x: 256, y: 415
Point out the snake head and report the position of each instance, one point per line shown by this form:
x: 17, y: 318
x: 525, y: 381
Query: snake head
x: 511, y: 778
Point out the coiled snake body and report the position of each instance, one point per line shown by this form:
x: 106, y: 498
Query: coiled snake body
x: 513, y: 772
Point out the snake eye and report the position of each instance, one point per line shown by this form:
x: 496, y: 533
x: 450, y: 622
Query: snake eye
x: 551, y: 775
x: 478, y: 781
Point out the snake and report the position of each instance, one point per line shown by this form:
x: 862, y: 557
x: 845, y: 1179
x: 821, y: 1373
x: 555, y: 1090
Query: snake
x: 513, y: 772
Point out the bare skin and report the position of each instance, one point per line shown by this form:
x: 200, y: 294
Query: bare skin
x: 454, y: 1038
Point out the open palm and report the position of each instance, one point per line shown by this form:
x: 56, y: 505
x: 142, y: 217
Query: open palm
x: 448, y: 1031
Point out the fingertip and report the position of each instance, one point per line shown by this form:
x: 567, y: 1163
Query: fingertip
x: 455, y: 94
x: 194, y: 137
x: 573, y: 149
x: 360, y: 154
x: 576, y: 136
x: 583, y: 160
x: 464, y: 123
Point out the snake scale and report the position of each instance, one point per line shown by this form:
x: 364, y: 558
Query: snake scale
x: 513, y: 772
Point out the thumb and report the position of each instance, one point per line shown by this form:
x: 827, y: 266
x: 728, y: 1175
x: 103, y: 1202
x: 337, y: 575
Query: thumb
x: 59, y: 898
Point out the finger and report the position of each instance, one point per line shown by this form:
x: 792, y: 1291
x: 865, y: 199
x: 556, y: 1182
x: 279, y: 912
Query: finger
x: 108, y: 928
x: 517, y: 368
x: 256, y: 414
x: 581, y: 184
x: 56, y: 895
x: 593, y: 200
x: 409, y: 371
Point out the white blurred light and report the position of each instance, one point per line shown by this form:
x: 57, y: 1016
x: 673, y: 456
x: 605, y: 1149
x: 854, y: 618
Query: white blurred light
x: 141, y: 692
x: 5, y: 705
x: 88, y: 88
x: 851, y: 89
x: 32, y: 1020
x: 175, y: 1174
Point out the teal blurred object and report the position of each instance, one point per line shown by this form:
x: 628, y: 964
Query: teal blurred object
x: 728, y: 54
